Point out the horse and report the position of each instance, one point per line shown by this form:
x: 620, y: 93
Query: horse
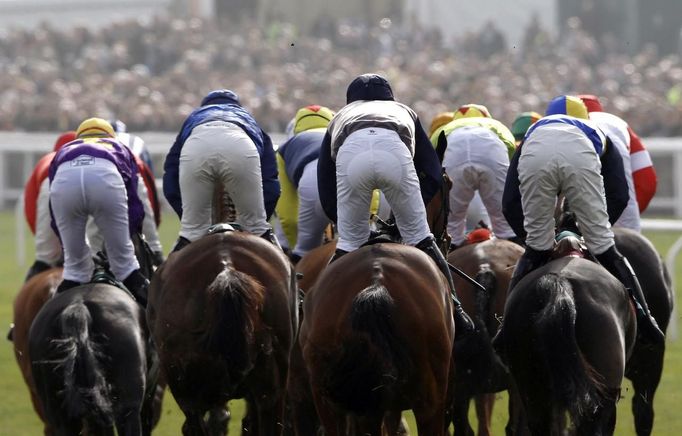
x: 568, y: 331
x: 645, y: 366
x: 479, y: 372
x: 92, y: 364
x: 377, y: 337
x: 223, y: 312
x: 29, y: 301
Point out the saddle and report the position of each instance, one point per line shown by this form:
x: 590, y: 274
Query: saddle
x: 224, y: 228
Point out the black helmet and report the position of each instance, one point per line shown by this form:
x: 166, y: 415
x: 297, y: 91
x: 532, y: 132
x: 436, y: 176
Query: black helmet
x: 369, y: 87
x: 221, y: 96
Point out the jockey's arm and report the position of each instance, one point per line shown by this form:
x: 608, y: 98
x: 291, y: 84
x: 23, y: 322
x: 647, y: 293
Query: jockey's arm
x: 271, y: 189
x: 427, y: 164
x: 511, y: 198
x: 643, y: 171
x: 148, y: 223
x: 615, y: 182
x: 326, y: 178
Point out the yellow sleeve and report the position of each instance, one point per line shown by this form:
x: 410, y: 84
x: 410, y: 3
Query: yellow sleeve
x: 287, y: 205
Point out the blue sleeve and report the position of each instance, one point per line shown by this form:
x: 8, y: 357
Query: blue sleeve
x: 171, y: 175
x: 429, y: 168
x: 615, y: 183
x: 511, y: 198
x: 268, y: 166
x: 326, y: 178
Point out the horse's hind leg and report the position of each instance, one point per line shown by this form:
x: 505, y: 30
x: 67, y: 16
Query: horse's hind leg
x: 460, y: 415
x: 128, y: 422
x: 218, y: 420
x: 194, y: 424
x: 645, y: 376
x: 484, y: 412
x: 430, y: 420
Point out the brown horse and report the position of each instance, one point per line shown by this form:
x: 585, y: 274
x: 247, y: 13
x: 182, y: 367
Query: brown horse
x: 646, y: 363
x: 377, y: 337
x: 568, y: 331
x: 223, y: 312
x: 479, y: 372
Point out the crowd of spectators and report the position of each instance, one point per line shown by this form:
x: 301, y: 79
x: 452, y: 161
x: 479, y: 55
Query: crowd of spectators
x: 152, y: 74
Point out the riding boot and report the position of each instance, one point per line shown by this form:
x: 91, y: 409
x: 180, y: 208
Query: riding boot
x: 295, y: 258
x: 180, y: 244
x: 529, y: 261
x: 137, y: 284
x: 37, y: 267
x: 66, y: 284
x: 618, y: 265
x: 463, y: 323
x: 337, y: 254
x: 269, y: 236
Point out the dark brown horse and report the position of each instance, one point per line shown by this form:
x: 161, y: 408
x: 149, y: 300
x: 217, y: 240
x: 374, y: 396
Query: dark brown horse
x: 646, y: 363
x: 479, y: 372
x: 92, y: 364
x: 223, y: 313
x: 377, y: 337
x: 31, y: 298
x: 568, y: 331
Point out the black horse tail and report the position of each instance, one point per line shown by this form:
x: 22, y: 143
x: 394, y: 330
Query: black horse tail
x: 86, y: 390
x: 372, y: 358
x: 488, y: 279
x: 575, y: 386
x: 233, y: 313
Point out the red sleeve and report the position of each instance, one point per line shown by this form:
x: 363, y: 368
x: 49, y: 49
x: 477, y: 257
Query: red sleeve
x: 643, y: 172
x: 150, y: 184
x: 32, y: 189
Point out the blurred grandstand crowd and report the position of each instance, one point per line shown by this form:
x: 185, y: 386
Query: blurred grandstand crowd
x: 151, y: 75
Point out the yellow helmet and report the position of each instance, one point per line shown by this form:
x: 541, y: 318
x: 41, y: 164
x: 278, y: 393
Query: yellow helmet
x: 440, y: 120
x: 472, y: 110
x: 312, y: 117
x: 95, y: 128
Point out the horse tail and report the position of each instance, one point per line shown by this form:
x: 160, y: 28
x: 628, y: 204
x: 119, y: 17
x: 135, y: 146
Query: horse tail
x: 488, y: 279
x: 372, y: 358
x: 86, y: 390
x: 233, y: 312
x: 574, y: 384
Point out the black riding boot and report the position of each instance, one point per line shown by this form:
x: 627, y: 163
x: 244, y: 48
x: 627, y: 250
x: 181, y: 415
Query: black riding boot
x: 137, y: 284
x: 37, y: 267
x: 65, y: 285
x: 180, y: 244
x: 269, y: 236
x: 530, y: 260
x: 619, y: 266
x: 463, y: 323
x: 337, y: 253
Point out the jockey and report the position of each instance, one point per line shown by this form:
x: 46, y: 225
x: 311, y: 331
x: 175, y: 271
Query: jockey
x: 372, y: 143
x: 639, y: 170
x: 146, y: 191
x: 96, y: 176
x: 566, y: 153
x: 299, y: 208
x: 37, y: 211
x: 477, y: 149
x: 522, y: 123
x: 220, y: 142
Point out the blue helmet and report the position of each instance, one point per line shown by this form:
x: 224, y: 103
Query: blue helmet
x: 369, y: 87
x: 221, y: 96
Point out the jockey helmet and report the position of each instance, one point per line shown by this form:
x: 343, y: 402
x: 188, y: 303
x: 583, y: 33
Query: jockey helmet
x: 95, y: 128
x: 312, y: 117
x: 522, y: 123
x: 471, y: 110
x: 64, y: 139
x: 567, y: 105
x: 221, y: 96
x: 592, y: 103
x: 118, y: 125
x: 369, y: 87
x: 440, y: 120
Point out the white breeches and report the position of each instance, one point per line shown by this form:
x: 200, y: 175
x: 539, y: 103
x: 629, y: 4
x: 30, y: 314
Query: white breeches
x: 88, y: 186
x: 48, y: 247
x: 220, y: 153
x: 476, y: 161
x: 371, y: 159
x: 311, y: 217
x: 559, y: 157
